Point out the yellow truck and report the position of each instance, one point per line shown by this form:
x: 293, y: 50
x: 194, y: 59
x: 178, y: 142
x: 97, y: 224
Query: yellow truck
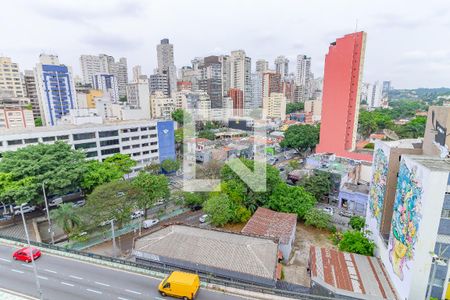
x: 180, y: 285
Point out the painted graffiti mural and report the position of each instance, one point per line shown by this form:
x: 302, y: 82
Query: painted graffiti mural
x: 406, y: 219
x: 378, y: 185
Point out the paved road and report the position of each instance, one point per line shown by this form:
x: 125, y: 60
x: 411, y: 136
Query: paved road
x: 68, y: 279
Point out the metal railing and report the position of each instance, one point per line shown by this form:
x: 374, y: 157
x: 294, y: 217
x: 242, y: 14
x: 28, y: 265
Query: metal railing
x: 165, y: 269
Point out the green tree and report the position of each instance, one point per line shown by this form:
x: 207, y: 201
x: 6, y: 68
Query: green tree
x: 114, y: 200
x: 58, y: 165
x: 193, y: 199
x: 302, y: 138
x: 291, y: 200
x: 357, y: 223
x: 180, y: 116
x: 318, y: 218
x: 356, y: 242
x: 38, y: 122
x: 152, y: 188
x: 122, y: 161
x: 206, y: 134
x: 413, y: 129
x: 179, y: 135
x: 170, y: 165
x: 294, y: 107
x: 319, y: 184
x: 153, y: 168
x: 366, y: 123
x: 98, y: 173
x: 17, y: 191
x: 67, y: 218
x: 219, y: 208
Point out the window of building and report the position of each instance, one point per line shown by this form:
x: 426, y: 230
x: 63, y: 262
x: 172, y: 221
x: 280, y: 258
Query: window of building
x: 144, y: 144
x: 126, y: 147
x: 136, y: 153
x: 86, y: 145
x: 153, y: 143
x: 48, y: 138
x: 154, y: 151
x: 84, y: 136
x: 144, y: 128
x: 144, y: 137
x: 125, y: 130
x: 152, y: 128
x: 109, y: 142
x: 134, y: 138
x: 30, y: 141
x: 136, y: 146
x: 445, y: 213
x: 153, y: 135
x: 110, y: 151
x: 108, y: 133
x: 145, y: 152
x: 134, y: 129
x: 91, y: 154
x: 62, y: 137
x: 14, y: 142
x: 125, y: 139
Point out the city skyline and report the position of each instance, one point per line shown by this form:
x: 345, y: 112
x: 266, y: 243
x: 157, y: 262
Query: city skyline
x: 132, y: 29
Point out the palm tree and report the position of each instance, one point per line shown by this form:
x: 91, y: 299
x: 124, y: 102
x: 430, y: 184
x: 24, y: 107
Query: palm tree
x: 66, y: 217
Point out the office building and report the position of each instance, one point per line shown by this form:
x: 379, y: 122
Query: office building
x: 240, y: 75
x: 303, y: 77
x: 237, y: 98
x: 138, y: 95
x: 166, y: 63
x: 146, y: 141
x: 159, y: 83
x: 55, y: 88
x: 31, y: 92
x: 282, y: 66
x: 340, y: 101
x: 271, y: 83
x: 274, y: 106
x: 108, y: 84
x: 161, y: 106
x: 257, y: 89
x: 10, y: 77
x: 15, y: 112
x: 262, y: 65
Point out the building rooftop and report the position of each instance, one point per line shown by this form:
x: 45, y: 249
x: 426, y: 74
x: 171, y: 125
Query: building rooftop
x: 269, y: 223
x: 349, y: 274
x: 431, y: 162
x: 405, y: 143
x: 222, y: 250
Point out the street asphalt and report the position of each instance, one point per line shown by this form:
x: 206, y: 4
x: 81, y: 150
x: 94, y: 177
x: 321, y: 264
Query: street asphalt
x: 68, y: 279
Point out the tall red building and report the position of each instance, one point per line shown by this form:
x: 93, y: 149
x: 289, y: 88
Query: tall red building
x: 341, y: 87
x: 237, y: 97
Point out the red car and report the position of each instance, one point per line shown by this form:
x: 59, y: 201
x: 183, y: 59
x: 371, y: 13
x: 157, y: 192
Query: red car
x: 24, y: 254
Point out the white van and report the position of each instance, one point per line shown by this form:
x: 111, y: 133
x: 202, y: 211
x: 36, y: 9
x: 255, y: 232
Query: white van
x: 150, y: 223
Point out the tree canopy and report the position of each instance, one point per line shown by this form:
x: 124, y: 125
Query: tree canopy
x: 356, y: 242
x: 291, y: 200
x: 294, y: 107
x: 180, y: 115
x: 318, y: 218
x: 152, y: 188
x: 302, y: 138
x: 319, y: 184
x: 122, y: 161
x: 219, y: 208
x: 170, y: 165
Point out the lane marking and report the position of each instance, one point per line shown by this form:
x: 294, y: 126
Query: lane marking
x: 94, y: 291
x: 65, y: 283
x: 121, y: 298
x: 51, y: 271
x: 42, y: 277
x: 99, y: 283
x: 134, y: 292
x: 4, y: 259
x: 17, y: 271
x: 157, y: 298
x: 28, y: 266
x: 75, y: 277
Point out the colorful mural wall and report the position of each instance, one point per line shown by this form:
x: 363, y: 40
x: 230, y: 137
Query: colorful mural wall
x: 378, y: 185
x: 406, y: 219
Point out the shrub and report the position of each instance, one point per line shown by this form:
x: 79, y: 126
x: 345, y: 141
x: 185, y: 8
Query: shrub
x: 356, y: 242
x: 357, y: 223
x: 318, y: 218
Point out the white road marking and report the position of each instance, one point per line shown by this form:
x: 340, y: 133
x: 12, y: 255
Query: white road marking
x: 17, y: 271
x: 99, y: 283
x: 42, y: 277
x: 121, y: 298
x: 50, y: 271
x: 157, y: 298
x: 75, y: 277
x: 134, y: 292
x: 65, y: 283
x: 28, y: 266
x: 4, y: 259
x: 94, y: 291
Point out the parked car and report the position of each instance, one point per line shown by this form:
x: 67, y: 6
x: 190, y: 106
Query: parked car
x: 203, y: 218
x: 180, y: 285
x: 137, y: 214
x: 328, y: 210
x: 160, y: 202
x: 346, y: 213
x: 150, y: 223
x: 79, y: 203
x: 104, y: 223
x: 24, y: 254
x: 55, y: 202
x: 26, y: 209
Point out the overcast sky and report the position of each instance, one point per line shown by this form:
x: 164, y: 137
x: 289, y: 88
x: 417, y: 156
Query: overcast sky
x: 408, y: 42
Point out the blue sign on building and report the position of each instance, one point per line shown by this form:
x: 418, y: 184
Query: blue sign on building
x: 166, y: 140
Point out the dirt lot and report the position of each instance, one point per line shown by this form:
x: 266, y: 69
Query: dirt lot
x: 296, y: 270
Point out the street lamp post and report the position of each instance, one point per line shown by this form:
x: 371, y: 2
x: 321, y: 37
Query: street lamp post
x: 50, y: 228
x: 38, y: 284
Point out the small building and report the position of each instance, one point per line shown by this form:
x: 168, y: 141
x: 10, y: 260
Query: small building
x: 269, y: 223
x: 354, y: 197
x: 223, y: 254
x: 341, y: 274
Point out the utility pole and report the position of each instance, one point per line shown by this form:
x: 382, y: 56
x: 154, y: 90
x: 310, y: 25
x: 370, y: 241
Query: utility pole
x: 113, y: 238
x: 50, y: 228
x: 38, y: 284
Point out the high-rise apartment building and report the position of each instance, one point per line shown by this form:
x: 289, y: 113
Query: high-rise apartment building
x: 226, y: 74
x: 138, y: 95
x: 262, y: 65
x: 108, y: 84
x: 271, y: 83
x: 166, y: 63
x: 200, y: 104
x: 159, y: 83
x: 137, y: 73
x: 282, y: 66
x: 386, y: 89
x: 31, y: 92
x: 10, y: 77
x: 15, y: 111
x: 340, y: 102
x: 375, y: 95
x: 257, y: 88
x: 211, y: 80
x: 237, y: 98
x: 240, y: 74
x: 303, y: 76
x: 102, y: 63
x: 274, y: 106
x: 55, y: 88
x: 161, y: 106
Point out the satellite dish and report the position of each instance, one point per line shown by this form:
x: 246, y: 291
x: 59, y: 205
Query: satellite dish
x: 391, y: 134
